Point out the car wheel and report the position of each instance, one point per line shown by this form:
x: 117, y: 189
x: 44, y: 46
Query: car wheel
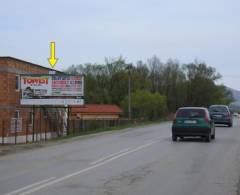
x: 174, y: 138
x: 208, y: 138
x: 230, y: 125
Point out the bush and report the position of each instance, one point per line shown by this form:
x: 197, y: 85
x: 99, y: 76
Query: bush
x: 146, y: 105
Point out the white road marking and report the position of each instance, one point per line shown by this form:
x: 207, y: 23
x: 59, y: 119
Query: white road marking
x: 85, y: 170
x: 107, y: 157
x: 156, y: 138
x: 29, y: 186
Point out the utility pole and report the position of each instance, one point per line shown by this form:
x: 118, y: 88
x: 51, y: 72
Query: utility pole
x: 129, y: 67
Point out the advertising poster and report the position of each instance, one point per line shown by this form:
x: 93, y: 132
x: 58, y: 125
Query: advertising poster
x: 36, y: 86
x: 52, y: 89
x: 67, y: 86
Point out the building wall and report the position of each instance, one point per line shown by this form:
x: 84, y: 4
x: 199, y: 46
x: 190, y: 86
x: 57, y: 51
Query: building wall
x: 10, y: 69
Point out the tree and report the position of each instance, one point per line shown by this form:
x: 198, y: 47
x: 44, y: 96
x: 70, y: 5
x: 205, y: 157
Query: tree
x: 146, y: 105
x: 174, y: 87
x: 156, y: 70
x: 201, y: 88
x: 152, y: 83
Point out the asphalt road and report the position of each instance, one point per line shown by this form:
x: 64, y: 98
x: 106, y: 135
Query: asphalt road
x: 139, y: 161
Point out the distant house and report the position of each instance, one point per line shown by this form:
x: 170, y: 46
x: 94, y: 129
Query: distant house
x: 96, y: 112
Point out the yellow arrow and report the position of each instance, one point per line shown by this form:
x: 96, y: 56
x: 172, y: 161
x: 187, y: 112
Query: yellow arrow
x: 52, y: 60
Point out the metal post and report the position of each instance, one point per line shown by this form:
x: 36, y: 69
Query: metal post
x: 27, y: 126
x: 33, y: 124
x: 3, y: 132
x: 68, y: 125
x: 61, y: 125
x: 16, y: 129
x: 74, y: 127
x: 45, y: 130
x: 40, y: 128
x: 129, y: 94
x: 36, y: 130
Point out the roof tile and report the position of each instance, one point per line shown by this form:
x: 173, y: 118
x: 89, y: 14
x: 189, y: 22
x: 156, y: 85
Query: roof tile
x: 96, y: 108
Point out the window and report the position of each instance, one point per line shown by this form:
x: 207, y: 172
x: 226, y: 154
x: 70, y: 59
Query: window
x: 17, y: 114
x: 218, y: 109
x: 191, y: 113
x: 17, y: 82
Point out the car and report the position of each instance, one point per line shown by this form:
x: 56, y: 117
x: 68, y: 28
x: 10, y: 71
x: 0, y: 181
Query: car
x: 193, y: 122
x: 221, y: 114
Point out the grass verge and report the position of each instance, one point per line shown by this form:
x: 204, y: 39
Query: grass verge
x: 9, y: 149
x: 110, y: 129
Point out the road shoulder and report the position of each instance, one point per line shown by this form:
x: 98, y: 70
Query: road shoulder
x: 13, y: 149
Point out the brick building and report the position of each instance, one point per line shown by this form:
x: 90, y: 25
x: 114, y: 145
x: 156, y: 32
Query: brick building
x: 10, y: 108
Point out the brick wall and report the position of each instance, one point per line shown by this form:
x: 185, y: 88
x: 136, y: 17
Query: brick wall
x: 25, y: 66
x: 4, y: 88
x: 10, y: 68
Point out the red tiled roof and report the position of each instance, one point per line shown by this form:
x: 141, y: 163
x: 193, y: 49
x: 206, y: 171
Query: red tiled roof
x: 97, y: 108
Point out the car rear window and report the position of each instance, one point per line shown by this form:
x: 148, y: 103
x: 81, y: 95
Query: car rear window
x: 191, y: 113
x: 218, y: 109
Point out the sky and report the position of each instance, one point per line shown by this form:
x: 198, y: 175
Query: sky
x: 90, y: 30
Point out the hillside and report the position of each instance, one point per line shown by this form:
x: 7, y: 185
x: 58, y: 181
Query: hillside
x: 236, y: 93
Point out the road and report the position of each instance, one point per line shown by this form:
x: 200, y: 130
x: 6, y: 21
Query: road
x: 138, y: 161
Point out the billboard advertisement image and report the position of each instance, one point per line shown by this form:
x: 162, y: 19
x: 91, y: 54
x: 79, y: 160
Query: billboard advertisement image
x: 67, y: 86
x: 52, y: 89
x: 36, y: 86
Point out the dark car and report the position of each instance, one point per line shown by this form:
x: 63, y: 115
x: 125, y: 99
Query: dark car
x: 221, y: 114
x: 193, y: 121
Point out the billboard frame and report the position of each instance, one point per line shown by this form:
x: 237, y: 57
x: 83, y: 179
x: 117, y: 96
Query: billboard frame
x: 63, y: 100
x: 63, y: 105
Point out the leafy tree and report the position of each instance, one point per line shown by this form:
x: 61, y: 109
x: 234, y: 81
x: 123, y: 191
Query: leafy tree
x: 201, y: 88
x: 174, y: 85
x: 156, y: 87
x: 146, y: 105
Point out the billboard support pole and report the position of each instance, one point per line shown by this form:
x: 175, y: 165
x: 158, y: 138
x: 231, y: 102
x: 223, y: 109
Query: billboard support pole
x: 68, y: 125
x: 40, y: 123
x: 33, y: 124
x: 15, y: 130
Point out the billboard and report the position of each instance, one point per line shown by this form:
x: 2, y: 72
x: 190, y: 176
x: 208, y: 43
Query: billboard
x: 52, y: 89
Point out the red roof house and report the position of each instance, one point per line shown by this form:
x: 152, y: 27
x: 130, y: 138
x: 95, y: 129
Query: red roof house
x: 96, y: 111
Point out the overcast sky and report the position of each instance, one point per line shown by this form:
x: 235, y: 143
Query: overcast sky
x: 90, y: 30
